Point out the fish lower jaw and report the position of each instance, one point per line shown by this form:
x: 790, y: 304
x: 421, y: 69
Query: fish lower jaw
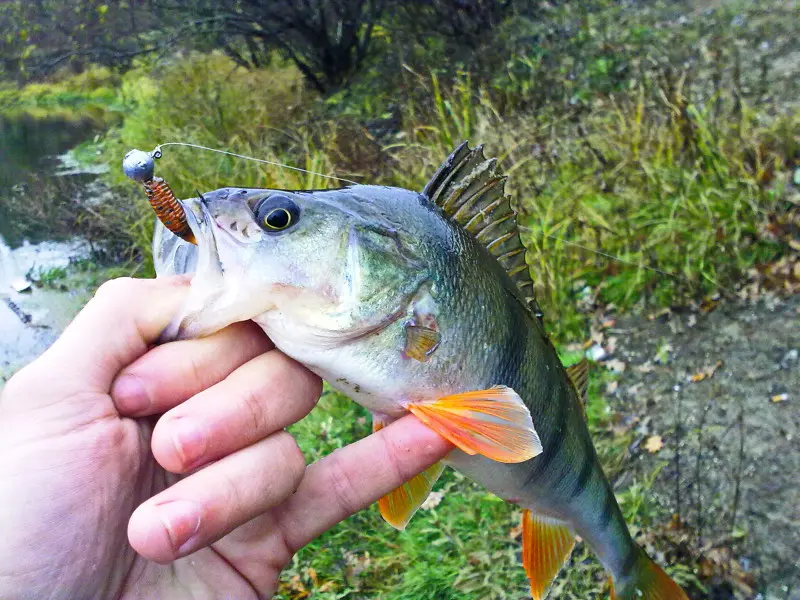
x: 210, y: 311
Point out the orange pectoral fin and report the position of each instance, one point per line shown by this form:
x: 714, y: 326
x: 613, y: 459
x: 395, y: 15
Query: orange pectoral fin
x: 546, y: 545
x: 398, y: 506
x: 494, y: 423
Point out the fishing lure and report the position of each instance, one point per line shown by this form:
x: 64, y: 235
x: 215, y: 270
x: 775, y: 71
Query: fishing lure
x: 140, y: 166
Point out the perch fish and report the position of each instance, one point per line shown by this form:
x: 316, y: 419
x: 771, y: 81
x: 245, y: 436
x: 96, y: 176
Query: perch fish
x: 420, y: 302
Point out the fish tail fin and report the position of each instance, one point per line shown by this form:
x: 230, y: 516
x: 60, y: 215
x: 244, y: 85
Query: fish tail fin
x: 645, y: 580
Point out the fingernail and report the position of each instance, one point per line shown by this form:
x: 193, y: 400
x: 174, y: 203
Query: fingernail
x: 189, y: 440
x: 181, y: 519
x: 130, y: 395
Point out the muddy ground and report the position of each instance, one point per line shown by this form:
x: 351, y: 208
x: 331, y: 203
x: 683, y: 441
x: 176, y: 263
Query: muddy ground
x: 721, y: 391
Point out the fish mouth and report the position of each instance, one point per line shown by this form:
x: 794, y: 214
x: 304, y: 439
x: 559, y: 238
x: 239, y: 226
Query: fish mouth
x: 202, y: 224
x: 217, y: 296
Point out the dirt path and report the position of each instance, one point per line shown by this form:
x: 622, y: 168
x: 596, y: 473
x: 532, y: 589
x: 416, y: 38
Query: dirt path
x: 730, y: 460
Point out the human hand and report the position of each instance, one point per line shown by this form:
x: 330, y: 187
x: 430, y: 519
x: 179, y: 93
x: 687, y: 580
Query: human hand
x: 224, y: 499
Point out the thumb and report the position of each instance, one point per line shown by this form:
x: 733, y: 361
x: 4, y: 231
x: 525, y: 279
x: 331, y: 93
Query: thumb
x: 115, y: 328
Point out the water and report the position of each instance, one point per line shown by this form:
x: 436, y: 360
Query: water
x: 40, y: 185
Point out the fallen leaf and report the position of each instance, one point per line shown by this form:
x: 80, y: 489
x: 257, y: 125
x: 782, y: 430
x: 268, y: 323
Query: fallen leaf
x: 706, y: 373
x: 653, y: 444
x: 312, y: 574
x: 663, y: 353
x: 709, y: 304
x: 646, y: 367
x: 616, y: 365
x: 356, y: 563
x: 661, y: 313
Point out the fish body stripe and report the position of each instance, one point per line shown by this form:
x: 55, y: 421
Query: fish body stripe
x: 630, y: 561
x: 512, y: 357
x: 585, y: 474
x: 608, y: 510
x: 553, y: 445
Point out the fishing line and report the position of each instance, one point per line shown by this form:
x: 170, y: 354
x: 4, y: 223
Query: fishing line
x: 612, y: 257
x: 157, y: 154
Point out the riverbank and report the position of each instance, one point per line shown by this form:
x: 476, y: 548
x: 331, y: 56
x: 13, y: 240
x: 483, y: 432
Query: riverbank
x: 39, y: 296
x: 50, y: 260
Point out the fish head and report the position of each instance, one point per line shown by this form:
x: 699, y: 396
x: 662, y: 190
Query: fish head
x: 329, y: 262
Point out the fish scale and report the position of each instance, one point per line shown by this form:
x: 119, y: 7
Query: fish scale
x: 421, y: 303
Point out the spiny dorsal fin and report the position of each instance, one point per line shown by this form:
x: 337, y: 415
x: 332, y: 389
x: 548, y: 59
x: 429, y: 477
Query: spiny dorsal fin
x: 579, y: 375
x: 470, y: 191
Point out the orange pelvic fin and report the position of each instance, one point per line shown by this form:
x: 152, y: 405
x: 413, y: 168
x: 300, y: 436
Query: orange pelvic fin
x: 546, y: 545
x: 647, y: 581
x: 494, y: 423
x: 398, y: 506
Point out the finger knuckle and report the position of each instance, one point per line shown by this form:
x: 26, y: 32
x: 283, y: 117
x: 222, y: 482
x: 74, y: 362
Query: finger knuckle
x: 253, y: 411
x: 231, y: 491
x: 120, y: 287
x: 341, y: 483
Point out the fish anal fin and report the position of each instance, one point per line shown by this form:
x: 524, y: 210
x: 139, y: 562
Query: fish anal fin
x: 494, y: 423
x: 546, y: 545
x: 398, y: 506
x: 579, y: 376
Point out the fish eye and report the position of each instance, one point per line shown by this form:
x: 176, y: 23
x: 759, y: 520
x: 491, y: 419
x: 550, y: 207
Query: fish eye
x: 278, y: 218
x: 276, y: 213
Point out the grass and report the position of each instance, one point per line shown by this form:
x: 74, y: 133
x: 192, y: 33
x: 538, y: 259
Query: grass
x: 65, y: 93
x: 627, y: 134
